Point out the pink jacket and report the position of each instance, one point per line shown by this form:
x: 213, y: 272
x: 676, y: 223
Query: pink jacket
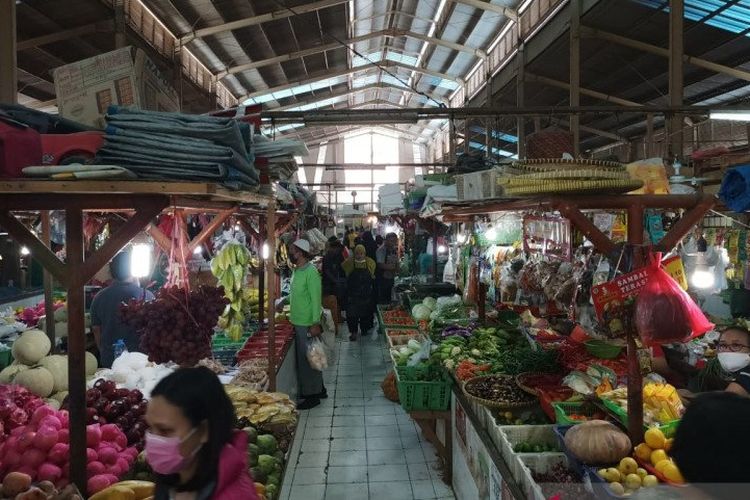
x: 234, y: 481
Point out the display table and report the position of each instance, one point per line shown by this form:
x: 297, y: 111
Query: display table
x: 479, y: 469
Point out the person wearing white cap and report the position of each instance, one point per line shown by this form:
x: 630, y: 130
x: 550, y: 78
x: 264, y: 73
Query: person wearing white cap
x: 305, y: 302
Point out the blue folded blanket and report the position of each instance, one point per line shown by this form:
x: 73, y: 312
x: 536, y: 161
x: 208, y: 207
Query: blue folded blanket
x: 735, y: 189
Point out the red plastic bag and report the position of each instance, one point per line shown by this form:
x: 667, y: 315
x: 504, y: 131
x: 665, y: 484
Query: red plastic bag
x: 664, y: 312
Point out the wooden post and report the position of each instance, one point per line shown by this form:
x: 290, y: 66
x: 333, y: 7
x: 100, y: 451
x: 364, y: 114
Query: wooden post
x: 49, y: 309
x: 635, y: 379
x: 676, y: 90
x: 575, y: 73
x: 74, y: 250
x: 9, y: 74
x: 271, y: 285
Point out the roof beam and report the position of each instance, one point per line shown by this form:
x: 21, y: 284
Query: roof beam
x: 591, y: 93
x: 347, y: 92
x: 497, y: 9
x: 661, y: 51
x: 394, y: 33
x: 59, y: 36
x: 344, y: 72
x: 260, y: 19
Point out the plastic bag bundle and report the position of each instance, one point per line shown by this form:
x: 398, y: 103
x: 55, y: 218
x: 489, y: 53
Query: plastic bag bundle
x: 316, y: 354
x: 664, y: 312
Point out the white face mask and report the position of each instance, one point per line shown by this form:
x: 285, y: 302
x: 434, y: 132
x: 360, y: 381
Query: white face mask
x: 733, y: 361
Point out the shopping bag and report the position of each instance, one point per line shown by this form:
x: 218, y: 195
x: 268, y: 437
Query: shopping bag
x: 664, y: 312
x: 329, y: 335
x: 316, y: 354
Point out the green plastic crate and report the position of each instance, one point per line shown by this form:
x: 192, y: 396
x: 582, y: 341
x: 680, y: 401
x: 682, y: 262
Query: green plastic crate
x: 6, y: 358
x: 667, y: 429
x: 563, y: 409
x: 430, y: 396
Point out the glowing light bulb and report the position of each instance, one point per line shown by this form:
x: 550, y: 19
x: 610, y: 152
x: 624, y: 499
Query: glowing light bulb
x: 140, y: 260
x: 265, y: 251
x: 25, y: 251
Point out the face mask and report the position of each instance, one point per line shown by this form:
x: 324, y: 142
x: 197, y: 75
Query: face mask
x: 163, y: 453
x: 733, y: 361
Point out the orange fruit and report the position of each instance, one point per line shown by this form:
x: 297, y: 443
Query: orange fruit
x: 658, y: 455
x: 643, y: 451
x: 672, y: 473
x: 655, y: 439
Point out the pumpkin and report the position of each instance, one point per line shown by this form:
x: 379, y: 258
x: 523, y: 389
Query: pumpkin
x: 597, y: 442
x: 389, y: 387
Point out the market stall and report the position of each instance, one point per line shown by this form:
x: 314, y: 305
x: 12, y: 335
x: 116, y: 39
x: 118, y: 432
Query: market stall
x: 145, y: 200
x: 530, y: 351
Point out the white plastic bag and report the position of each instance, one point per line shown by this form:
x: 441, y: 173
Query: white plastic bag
x: 329, y: 335
x: 316, y: 354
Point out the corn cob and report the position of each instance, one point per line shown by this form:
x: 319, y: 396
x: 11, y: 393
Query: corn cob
x: 574, y: 186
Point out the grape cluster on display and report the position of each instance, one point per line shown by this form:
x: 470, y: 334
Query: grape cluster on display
x: 177, y: 326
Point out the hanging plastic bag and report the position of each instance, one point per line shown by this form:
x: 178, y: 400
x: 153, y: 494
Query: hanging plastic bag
x: 664, y: 312
x: 316, y: 354
x: 329, y: 335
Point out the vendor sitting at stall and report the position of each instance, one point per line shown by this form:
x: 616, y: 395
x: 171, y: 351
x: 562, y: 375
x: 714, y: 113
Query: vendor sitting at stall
x: 106, y: 322
x: 360, y: 280
x: 733, y: 351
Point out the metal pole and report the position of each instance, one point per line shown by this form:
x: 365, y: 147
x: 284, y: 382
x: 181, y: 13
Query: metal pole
x: 49, y: 309
x: 676, y: 91
x: 8, y: 63
x: 575, y: 72
x: 271, y: 274
x: 521, y: 100
x: 74, y: 251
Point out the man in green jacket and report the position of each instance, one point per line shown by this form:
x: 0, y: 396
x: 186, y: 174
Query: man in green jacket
x: 305, y: 311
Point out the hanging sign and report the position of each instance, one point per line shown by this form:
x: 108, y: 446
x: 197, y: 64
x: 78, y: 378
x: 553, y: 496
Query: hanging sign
x: 614, y: 300
x: 676, y: 269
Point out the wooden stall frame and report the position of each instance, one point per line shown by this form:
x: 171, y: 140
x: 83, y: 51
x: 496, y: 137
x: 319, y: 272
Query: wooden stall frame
x: 146, y: 200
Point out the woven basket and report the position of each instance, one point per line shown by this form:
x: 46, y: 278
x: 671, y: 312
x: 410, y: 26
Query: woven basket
x: 554, y: 164
x: 551, y: 142
x: 495, y: 405
x: 601, y: 186
x: 583, y: 174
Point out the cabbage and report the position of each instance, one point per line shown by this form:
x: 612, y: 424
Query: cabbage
x: 420, y: 312
x: 430, y: 302
x: 414, y: 345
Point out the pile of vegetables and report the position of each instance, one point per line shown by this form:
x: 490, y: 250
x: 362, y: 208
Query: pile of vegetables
x: 40, y: 449
x: 500, y: 389
x: 178, y: 325
x: 423, y: 311
x: 230, y: 268
x: 44, y: 375
x: 402, y: 354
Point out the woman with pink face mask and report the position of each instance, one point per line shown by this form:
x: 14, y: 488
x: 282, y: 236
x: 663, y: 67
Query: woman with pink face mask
x: 733, y: 351
x: 191, y: 443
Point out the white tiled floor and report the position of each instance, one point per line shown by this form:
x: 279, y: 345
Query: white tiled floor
x: 357, y: 444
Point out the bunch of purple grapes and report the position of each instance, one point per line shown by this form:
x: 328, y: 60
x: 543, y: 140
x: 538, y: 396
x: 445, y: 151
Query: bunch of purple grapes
x: 177, y: 325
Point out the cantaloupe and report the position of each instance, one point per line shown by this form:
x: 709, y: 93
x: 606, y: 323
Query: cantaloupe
x: 91, y: 364
x: 9, y: 372
x: 38, y: 380
x: 58, y: 367
x: 31, y: 347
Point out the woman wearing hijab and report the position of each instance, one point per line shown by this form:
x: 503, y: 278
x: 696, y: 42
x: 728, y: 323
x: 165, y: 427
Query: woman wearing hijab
x: 360, y: 279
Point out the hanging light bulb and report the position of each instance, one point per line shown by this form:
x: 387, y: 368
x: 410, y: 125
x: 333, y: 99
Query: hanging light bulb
x: 265, y: 252
x: 140, y: 260
x: 198, y: 250
x: 442, y: 249
x: 703, y: 277
x: 25, y: 251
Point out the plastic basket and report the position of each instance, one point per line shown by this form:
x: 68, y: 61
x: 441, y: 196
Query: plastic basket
x: 395, y: 340
x: 546, y: 400
x: 6, y: 358
x: 513, y: 435
x: 226, y: 356
x: 434, y: 396
x: 541, y: 463
x: 668, y: 428
x: 564, y: 409
x: 573, y: 463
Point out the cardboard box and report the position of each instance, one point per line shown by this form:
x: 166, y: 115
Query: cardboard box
x: 126, y: 77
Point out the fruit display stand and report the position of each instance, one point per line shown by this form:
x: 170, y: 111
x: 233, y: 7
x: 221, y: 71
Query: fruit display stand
x: 143, y: 201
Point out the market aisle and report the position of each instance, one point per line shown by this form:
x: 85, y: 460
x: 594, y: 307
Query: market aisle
x: 357, y: 444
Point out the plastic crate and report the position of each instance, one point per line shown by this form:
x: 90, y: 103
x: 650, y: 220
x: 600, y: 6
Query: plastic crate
x: 398, y: 340
x: 512, y: 435
x: 541, y: 463
x: 668, y: 429
x: 564, y: 409
x: 434, y: 395
x: 545, y: 401
x: 573, y: 463
x: 6, y: 358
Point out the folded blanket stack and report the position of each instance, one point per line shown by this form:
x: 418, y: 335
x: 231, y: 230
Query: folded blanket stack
x: 178, y: 146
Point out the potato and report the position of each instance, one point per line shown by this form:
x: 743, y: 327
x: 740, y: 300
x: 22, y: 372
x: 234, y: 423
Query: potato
x: 47, y: 487
x: 32, y: 494
x: 15, y: 483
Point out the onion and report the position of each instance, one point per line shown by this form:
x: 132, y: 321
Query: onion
x: 45, y: 438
